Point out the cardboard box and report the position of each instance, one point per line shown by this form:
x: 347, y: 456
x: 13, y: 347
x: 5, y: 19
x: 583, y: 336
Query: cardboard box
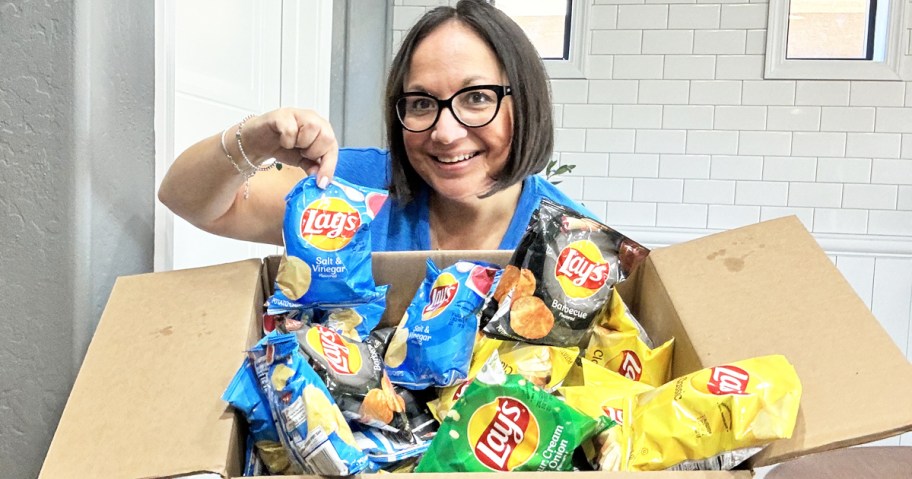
x: 146, y: 401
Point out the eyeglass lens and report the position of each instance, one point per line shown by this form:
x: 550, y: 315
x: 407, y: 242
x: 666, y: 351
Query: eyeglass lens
x: 472, y: 108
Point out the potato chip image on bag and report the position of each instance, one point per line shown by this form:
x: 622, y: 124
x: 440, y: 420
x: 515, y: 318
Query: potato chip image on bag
x: 560, y: 276
x: 433, y: 344
x: 327, y: 242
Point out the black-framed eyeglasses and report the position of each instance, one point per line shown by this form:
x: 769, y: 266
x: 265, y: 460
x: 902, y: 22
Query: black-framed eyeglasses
x: 473, y: 107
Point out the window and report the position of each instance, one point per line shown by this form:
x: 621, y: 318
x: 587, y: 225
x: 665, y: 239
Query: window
x: 834, y: 39
x: 558, y: 30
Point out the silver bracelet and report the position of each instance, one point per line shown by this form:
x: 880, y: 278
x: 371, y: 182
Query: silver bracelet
x: 237, y: 135
x: 246, y: 174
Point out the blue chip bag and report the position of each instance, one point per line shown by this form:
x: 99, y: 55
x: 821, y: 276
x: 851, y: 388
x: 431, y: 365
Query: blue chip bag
x: 245, y: 395
x: 309, y: 423
x: 433, y: 344
x: 327, y: 242
x: 354, y: 320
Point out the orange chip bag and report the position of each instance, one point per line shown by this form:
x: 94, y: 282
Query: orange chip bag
x: 620, y: 344
x: 725, y: 408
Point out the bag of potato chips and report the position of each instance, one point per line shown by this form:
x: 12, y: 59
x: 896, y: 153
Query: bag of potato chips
x: 559, y: 277
x: 620, y: 344
x: 544, y: 366
x: 433, y: 343
x: 327, y: 242
x: 353, y: 374
x: 509, y: 426
x: 245, y: 395
x: 309, y: 423
x: 741, y: 405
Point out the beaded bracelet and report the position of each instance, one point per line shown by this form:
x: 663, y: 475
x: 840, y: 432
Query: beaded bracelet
x: 252, y: 169
x: 237, y: 135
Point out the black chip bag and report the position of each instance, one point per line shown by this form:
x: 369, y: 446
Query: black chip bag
x: 560, y: 276
x: 353, y: 374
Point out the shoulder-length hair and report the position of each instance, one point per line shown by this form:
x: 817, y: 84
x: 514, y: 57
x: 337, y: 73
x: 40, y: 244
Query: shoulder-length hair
x: 533, y: 130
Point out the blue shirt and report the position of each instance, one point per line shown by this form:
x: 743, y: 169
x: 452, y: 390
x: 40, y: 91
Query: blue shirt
x: 407, y: 228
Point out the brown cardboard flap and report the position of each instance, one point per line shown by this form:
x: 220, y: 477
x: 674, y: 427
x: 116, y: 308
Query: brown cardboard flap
x: 147, y: 401
x: 770, y: 289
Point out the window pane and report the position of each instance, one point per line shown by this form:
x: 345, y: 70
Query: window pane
x: 835, y: 29
x: 545, y: 23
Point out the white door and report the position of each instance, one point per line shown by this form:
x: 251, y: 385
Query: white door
x: 230, y: 59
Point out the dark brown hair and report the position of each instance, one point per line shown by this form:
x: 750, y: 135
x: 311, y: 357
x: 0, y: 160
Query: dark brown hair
x: 533, y: 130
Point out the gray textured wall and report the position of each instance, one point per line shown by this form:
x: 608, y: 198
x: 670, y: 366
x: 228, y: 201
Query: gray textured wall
x: 76, y: 196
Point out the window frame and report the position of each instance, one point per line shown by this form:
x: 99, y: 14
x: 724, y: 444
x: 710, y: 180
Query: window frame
x: 779, y: 67
x: 574, y: 66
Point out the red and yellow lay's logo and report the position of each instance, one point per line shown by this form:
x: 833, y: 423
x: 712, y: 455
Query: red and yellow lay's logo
x: 616, y: 414
x: 504, y: 434
x: 342, y: 356
x: 461, y: 389
x: 329, y: 223
x: 725, y: 380
x: 442, y: 293
x: 631, y: 367
x: 581, y: 270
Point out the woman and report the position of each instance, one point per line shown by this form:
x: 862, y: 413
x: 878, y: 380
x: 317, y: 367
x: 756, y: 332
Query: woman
x: 468, y: 118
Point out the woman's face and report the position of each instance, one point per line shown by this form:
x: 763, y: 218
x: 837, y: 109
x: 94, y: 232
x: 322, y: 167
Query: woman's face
x: 458, y: 162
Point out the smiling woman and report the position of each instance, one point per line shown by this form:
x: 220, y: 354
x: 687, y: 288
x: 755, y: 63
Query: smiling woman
x: 468, y: 120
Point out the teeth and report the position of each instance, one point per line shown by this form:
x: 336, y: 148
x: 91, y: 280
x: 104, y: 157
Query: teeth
x: 455, y: 159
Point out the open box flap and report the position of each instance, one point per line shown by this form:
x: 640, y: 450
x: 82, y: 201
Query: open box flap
x: 769, y: 289
x: 147, y: 401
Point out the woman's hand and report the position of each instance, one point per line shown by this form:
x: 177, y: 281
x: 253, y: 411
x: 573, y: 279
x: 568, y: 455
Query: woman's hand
x: 294, y: 137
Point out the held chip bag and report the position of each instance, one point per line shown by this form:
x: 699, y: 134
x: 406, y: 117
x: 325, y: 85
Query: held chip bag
x: 327, y: 243
x: 560, y: 276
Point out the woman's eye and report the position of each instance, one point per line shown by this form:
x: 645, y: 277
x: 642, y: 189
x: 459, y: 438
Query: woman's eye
x: 479, y: 98
x: 421, y: 105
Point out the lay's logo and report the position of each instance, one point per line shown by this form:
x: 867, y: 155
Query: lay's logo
x: 581, y: 270
x: 504, y: 434
x: 725, y: 380
x: 442, y: 293
x: 461, y: 389
x: 631, y: 367
x: 342, y: 356
x: 616, y: 415
x: 329, y: 223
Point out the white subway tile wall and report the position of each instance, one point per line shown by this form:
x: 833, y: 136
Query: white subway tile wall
x: 674, y: 90
x: 673, y: 126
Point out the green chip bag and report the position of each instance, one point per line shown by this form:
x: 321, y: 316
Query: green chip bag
x: 509, y: 426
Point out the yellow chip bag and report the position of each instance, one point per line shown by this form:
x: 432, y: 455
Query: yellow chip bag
x: 725, y: 408
x: 620, y: 344
x: 599, y: 392
x: 544, y: 366
x: 603, y: 392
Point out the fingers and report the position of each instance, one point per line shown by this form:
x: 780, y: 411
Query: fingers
x: 306, y: 140
x: 318, y: 147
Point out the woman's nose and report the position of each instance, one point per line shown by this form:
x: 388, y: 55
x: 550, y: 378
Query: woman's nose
x: 447, y: 129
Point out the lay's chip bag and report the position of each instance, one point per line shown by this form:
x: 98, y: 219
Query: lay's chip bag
x: 310, y: 425
x: 544, y: 366
x: 509, y: 426
x: 620, y: 344
x: 327, y: 242
x: 433, y: 343
x: 245, y: 395
x: 560, y: 276
x: 731, y: 407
